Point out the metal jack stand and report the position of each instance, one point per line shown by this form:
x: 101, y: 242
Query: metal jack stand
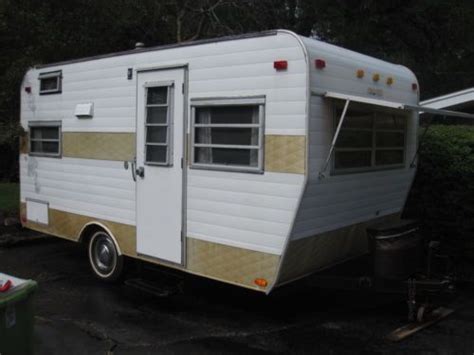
x: 411, y: 300
x: 422, y: 315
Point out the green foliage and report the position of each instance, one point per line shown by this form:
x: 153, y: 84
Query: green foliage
x: 10, y: 133
x: 9, y: 197
x: 443, y: 192
x: 434, y: 38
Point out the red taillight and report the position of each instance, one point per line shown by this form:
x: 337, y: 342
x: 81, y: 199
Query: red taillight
x: 320, y: 63
x: 414, y: 86
x: 28, y: 89
x: 280, y: 64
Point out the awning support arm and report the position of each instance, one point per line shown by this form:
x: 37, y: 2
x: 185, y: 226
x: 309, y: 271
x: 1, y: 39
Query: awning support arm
x: 422, y: 138
x: 334, y: 139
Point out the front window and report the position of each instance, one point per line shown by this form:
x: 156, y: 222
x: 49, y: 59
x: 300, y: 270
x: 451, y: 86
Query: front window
x: 50, y: 83
x: 369, y: 139
x: 228, y: 135
x: 45, y: 139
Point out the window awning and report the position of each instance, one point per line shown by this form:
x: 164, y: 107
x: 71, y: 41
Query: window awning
x: 377, y: 102
x: 436, y: 111
x: 391, y: 104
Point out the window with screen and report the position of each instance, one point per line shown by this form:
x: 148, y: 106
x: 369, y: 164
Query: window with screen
x: 228, y: 135
x: 50, y: 83
x: 45, y: 139
x: 369, y: 139
x: 157, y: 125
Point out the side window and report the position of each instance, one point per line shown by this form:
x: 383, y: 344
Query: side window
x: 369, y: 139
x: 45, y: 139
x: 50, y: 83
x: 228, y: 134
x: 390, y: 131
x: 158, y: 138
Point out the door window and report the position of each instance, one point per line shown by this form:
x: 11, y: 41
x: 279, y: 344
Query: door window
x: 158, y: 121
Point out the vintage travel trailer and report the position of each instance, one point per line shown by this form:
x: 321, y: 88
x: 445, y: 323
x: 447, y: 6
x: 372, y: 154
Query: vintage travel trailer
x: 255, y: 160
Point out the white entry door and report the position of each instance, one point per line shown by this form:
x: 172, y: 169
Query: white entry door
x: 160, y: 122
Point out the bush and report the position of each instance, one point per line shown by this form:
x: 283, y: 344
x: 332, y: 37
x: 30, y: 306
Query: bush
x: 442, y: 196
x: 9, y: 144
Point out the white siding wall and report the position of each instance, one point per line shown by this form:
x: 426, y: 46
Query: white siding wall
x: 102, y: 189
x: 243, y: 210
x: 231, y: 68
x: 247, y: 210
x: 340, y: 73
x: 338, y: 201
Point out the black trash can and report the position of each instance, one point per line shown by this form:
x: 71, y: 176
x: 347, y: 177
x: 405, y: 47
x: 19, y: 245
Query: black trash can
x: 17, y: 316
x: 396, y: 249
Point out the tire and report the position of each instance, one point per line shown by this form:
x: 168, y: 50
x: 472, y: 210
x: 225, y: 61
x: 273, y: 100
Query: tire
x: 106, y: 263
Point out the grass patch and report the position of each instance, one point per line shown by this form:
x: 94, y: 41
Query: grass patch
x: 9, y: 197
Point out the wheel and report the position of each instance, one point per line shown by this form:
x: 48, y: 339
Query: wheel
x: 421, y: 314
x: 105, y: 261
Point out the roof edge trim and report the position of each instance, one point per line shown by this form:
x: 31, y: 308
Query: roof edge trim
x: 162, y: 47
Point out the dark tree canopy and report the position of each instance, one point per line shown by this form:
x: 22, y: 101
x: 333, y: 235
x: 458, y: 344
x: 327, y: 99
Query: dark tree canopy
x: 435, y: 38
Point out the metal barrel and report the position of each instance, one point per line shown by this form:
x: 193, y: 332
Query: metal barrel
x: 396, y: 249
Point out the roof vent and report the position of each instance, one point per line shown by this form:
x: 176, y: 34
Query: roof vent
x: 139, y: 45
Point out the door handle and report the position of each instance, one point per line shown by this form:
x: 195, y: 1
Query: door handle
x: 132, y: 165
x: 140, y: 172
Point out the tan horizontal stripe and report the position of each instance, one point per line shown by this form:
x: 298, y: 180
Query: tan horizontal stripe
x: 68, y: 226
x: 95, y: 145
x: 283, y: 153
x: 23, y: 144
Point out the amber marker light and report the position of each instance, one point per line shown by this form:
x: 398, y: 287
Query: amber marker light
x: 376, y: 77
x: 360, y: 73
x: 261, y: 282
x: 390, y: 81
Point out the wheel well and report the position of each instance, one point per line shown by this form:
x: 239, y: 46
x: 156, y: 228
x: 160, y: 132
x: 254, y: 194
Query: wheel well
x: 88, y: 232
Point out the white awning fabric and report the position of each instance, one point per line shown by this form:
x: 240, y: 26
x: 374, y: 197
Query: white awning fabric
x: 436, y: 111
x: 391, y: 104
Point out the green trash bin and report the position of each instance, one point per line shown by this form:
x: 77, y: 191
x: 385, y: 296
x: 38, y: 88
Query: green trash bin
x: 16, y: 316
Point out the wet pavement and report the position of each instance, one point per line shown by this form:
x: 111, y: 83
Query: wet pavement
x: 77, y: 314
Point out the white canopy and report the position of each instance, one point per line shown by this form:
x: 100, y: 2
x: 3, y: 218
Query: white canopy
x: 391, y: 104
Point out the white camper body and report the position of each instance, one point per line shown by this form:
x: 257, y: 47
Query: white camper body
x: 216, y: 157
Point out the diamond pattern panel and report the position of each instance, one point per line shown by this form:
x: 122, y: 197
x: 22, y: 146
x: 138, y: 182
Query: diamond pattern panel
x: 308, y: 255
x: 225, y: 263
x: 230, y: 264
x: 69, y: 225
x: 285, y: 154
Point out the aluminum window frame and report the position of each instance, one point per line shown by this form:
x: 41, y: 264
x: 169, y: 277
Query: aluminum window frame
x: 42, y: 124
x: 257, y: 101
x: 373, y: 148
x: 169, y: 123
x: 58, y: 74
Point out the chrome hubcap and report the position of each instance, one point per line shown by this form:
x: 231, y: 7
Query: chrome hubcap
x: 104, y: 254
